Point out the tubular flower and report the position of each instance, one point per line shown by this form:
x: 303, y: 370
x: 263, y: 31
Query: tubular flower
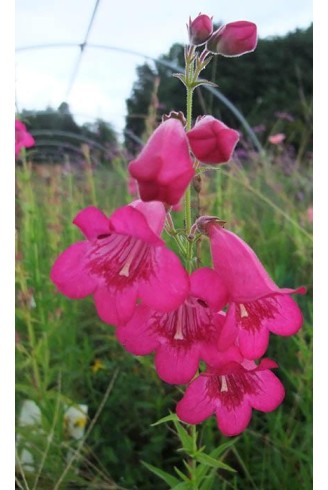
x: 200, y: 29
x: 233, y: 39
x: 164, y: 168
x: 123, y: 259
x: 182, y: 337
x: 211, y: 141
x: 230, y: 392
x: 23, y: 139
x: 257, y: 305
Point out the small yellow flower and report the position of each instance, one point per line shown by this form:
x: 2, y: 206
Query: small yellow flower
x: 97, y: 365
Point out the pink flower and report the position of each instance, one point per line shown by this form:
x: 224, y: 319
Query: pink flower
x: 257, y: 305
x: 23, y: 139
x: 182, y: 337
x: 276, y: 139
x: 212, y: 141
x: 164, y: 168
x: 233, y: 39
x: 230, y: 392
x: 200, y: 29
x: 123, y: 259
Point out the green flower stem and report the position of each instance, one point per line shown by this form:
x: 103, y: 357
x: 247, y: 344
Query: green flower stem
x: 189, y: 73
x: 193, y: 461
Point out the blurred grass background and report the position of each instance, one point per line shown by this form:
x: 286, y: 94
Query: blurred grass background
x: 66, y: 355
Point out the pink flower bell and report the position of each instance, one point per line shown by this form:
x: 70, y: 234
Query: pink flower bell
x: 123, y: 259
x: 257, y: 305
x: 233, y: 39
x: 200, y: 29
x: 164, y: 168
x: 230, y: 392
x: 181, y: 337
x: 23, y: 139
x: 211, y: 141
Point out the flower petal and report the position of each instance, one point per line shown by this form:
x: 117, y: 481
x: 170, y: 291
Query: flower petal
x: 127, y: 220
x: 136, y: 336
x: 239, y: 267
x: 229, y: 330
x: 154, y: 212
x: 233, y: 421
x: 92, y: 222
x: 115, y: 306
x: 177, y: 364
x: 270, y: 394
x: 288, y: 317
x: 196, y: 405
x: 253, y: 343
x: 168, y: 285
x: 69, y: 272
x: 206, y: 284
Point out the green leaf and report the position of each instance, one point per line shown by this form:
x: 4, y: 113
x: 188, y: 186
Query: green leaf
x: 202, y: 81
x: 208, y: 482
x: 185, y: 438
x: 172, y: 481
x: 182, y: 475
x: 222, y: 448
x: 181, y: 77
x: 214, y: 463
x: 183, y: 486
x: 169, y: 418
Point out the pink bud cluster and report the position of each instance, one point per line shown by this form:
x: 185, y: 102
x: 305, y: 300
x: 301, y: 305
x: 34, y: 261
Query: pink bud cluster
x: 233, y: 39
x: 220, y: 315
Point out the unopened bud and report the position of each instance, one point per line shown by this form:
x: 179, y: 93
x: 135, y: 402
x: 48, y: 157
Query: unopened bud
x: 233, y: 39
x: 200, y: 29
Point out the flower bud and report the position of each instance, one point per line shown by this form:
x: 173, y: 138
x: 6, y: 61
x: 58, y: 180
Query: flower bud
x: 164, y: 168
x: 200, y: 29
x: 233, y: 39
x: 211, y: 141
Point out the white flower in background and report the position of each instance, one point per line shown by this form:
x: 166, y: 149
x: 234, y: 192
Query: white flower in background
x: 30, y: 416
x: 75, y: 420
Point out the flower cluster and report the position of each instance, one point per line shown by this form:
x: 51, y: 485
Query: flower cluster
x: 219, y: 317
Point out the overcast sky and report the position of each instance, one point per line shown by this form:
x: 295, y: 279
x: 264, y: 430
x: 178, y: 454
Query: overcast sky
x: 104, y: 79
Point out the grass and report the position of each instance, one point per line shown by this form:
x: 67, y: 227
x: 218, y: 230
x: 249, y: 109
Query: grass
x: 66, y: 355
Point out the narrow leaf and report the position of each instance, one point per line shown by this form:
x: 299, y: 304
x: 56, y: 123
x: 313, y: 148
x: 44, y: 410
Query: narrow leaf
x: 169, y: 479
x: 214, y: 463
x: 185, y: 438
x: 169, y: 418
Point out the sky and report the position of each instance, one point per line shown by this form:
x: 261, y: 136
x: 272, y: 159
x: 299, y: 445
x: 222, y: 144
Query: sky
x: 105, y: 77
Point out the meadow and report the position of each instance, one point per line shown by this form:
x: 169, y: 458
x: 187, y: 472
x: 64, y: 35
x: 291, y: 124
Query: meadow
x: 66, y: 356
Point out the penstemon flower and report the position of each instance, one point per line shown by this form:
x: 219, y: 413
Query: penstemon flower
x: 257, y: 305
x: 181, y: 337
x: 231, y: 391
x: 122, y: 259
x: 164, y: 168
x: 220, y: 315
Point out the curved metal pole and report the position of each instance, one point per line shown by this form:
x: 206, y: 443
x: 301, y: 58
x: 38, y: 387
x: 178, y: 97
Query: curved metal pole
x: 172, y: 67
